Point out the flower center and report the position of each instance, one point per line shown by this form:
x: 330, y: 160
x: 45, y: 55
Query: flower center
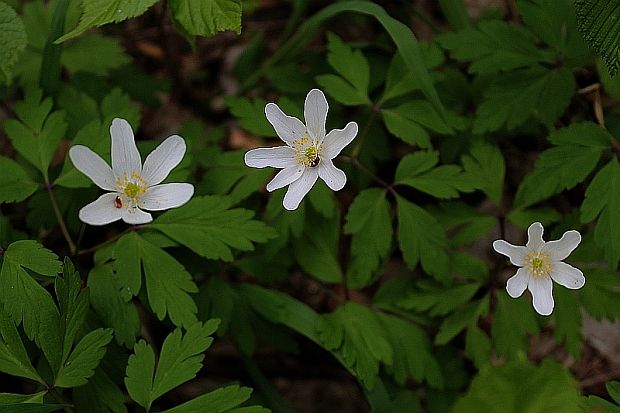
x: 132, y: 186
x: 307, y: 151
x: 538, y: 264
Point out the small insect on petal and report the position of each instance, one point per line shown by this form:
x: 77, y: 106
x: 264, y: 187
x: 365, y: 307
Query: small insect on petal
x: 118, y: 202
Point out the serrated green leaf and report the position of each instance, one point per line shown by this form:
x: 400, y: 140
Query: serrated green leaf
x: 222, y: 400
x: 465, y: 223
x: 485, y: 163
x: 26, y: 301
x: 370, y: 224
x: 406, y: 129
x: 445, y: 181
x: 179, y: 361
x: 421, y: 239
x: 517, y: 96
x: 84, y: 359
x: 13, y: 41
x: 168, y: 283
x: 602, y: 200
x: 567, y: 315
x: 100, y: 387
x: 354, y: 332
x: 514, y: 320
x: 79, y: 57
x: 15, y: 184
x: 341, y: 90
x: 38, y: 131
x: 206, y: 18
x: 11, y: 398
x: 438, y: 299
x: 107, y: 299
x: 208, y: 226
x: 599, y: 23
x: 14, y: 359
x: 458, y: 321
x: 600, y: 294
x: 523, y: 388
x: 100, y: 12
x: 250, y: 114
x: 478, y: 346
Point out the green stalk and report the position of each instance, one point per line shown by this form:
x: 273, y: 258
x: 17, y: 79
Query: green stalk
x: 49, y: 78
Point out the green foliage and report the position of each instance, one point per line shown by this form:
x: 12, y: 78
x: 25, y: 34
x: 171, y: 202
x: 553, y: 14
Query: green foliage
x: 223, y: 400
x: 12, y: 41
x: 598, y: 22
x: 179, y: 361
x: 206, y: 18
x: 15, y: 183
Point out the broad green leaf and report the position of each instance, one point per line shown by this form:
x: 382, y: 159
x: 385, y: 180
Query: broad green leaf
x: 478, y: 346
x: 11, y: 398
x: 73, y: 304
x: 80, y: 57
x: 38, y: 131
x: 421, y: 239
x: 399, y: 125
x: 599, y: 23
x: 15, y: 184
x: 355, y: 332
x: 100, y: 12
x: 602, y: 200
x: 222, y: 400
x: 208, y: 226
x: 14, y: 359
x: 465, y: 223
x: 485, y: 163
x: 206, y: 18
x: 438, y: 299
x: 179, y: 361
x: 109, y: 302
x: 465, y: 317
x: 341, y: 90
x: 600, y: 294
x: 13, y: 40
x: 100, y: 387
x: 495, y: 46
x: 517, y: 96
x: 26, y: 301
x: 370, y: 224
x: 514, y: 321
x: 168, y: 284
x: 567, y: 315
x: 84, y: 359
x: 518, y: 387
x: 250, y: 114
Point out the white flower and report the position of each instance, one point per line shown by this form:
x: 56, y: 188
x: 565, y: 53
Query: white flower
x: 309, y: 152
x: 540, y: 263
x: 133, y: 187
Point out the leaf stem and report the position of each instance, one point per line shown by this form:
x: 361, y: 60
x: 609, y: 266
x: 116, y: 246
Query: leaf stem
x: 104, y: 243
x: 374, y: 110
x: 59, y: 218
x: 369, y: 173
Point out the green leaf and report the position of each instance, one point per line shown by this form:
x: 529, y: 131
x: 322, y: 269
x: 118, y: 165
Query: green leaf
x: 179, y: 361
x: 494, y: 46
x: 523, y: 388
x: 13, y: 41
x: 222, y: 400
x: 514, y: 320
x: 100, y: 387
x: 208, y: 227
x: 14, y: 359
x: 485, y: 163
x: 79, y: 56
x: 38, y: 132
x: 515, y: 97
x: 421, y: 239
x: 250, y: 114
x: 582, y: 143
x: 106, y: 298
x: 26, y: 301
x: 84, y: 359
x: 600, y: 294
x: 206, y: 18
x: 438, y: 299
x: 341, y: 90
x: 459, y: 320
x: 400, y: 125
x: 168, y: 283
x: 11, y: 398
x: 15, y: 184
x: 354, y: 332
x: 567, y: 315
x: 444, y: 181
x: 100, y: 12
x: 478, y: 346
x: 370, y: 224
x: 602, y: 200
x: 599, y: 23
x: 32, y: 408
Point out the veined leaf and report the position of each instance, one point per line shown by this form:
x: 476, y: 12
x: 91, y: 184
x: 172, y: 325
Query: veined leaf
x: 485, y: 163
x: 13, y: 40
x: 514, y: 321
x: 14, y: 359
x: 206, y: 18
x: 100, y: 387
x: 458, y: 321
x: 599, y: 23
x: 15, y: 184
x: 179, y: 361
x: 84, y: 359
x: 222, y: 400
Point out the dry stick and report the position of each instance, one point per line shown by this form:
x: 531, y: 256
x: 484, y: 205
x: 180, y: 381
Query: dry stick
x: 61, y: 221
x: 595, y: 89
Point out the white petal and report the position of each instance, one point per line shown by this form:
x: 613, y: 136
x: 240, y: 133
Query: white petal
x: 163, y: 159
x: 125, y: 155
x: 542, y: 294
x: 567, y: 275
x: 278, y: 157
x: 333, y: 177
x: 101, y: 211
x: 91, y: 165
x: 136, y: 216
x: 285, y: 177
x: 516, y: 253
x: 166, y: 196
x: 534, y: 237
x: 560, y: 249
x: 337, y: 139
x: 315, y: 113
x: 517, y: 283
x: 298, y: 189
x: 288, y: 128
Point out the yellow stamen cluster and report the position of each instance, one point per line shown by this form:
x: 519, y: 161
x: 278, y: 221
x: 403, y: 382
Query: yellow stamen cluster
x: 132, y: 186
x: 538, y: 264
x: 307, y: 151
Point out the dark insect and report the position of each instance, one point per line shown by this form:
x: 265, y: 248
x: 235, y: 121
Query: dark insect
x: 314, y: 162
x: 118, y: 203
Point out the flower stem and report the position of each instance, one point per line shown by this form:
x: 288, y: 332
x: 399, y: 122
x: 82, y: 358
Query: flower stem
x: 104, y: 243
x: 374, y: 110
x: 61, y: 221
x: 368, y: 172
